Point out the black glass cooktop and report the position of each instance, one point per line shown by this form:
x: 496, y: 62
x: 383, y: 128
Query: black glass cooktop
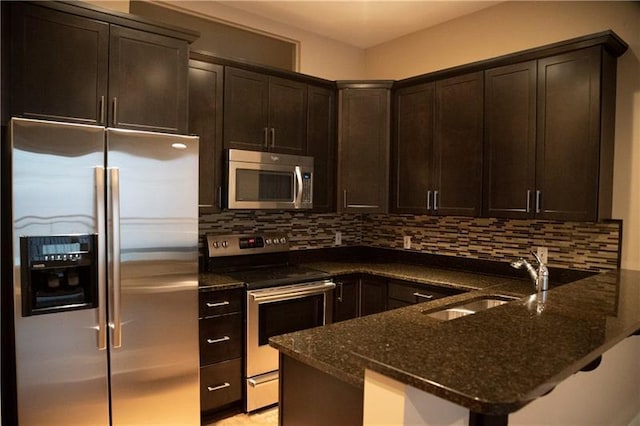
x: 278, y: 275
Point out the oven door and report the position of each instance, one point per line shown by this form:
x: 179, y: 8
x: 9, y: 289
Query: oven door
x: 279, y: 310
x: 274, y: 311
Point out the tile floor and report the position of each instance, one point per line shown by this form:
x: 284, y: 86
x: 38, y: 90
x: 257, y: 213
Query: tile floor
x: 267, y: 417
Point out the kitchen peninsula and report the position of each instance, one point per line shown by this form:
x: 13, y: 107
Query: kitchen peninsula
x: 489, y: 365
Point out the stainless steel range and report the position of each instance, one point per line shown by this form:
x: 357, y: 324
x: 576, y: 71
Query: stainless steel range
x: 280, y: 298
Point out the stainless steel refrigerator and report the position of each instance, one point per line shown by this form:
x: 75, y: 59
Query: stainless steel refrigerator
x: 105, y: 232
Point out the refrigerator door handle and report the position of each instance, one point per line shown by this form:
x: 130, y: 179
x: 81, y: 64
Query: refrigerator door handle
x: 116, y: 319
x: 102, y: 258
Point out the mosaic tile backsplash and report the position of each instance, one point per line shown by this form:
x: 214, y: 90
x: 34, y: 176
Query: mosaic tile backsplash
x: 575, y: 245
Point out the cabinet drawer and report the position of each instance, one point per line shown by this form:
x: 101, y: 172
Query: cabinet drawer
x: 412, y: 293
x: 220, y: 338
x: 220, y: 302
x: 220, y: 384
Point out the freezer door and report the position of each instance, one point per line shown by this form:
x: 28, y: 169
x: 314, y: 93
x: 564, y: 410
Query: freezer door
x: 152, y: 199
x: 61, y: 372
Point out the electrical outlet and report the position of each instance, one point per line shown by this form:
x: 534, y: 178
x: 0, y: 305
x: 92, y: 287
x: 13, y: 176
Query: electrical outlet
x: 543, y: 254
x: 338, y: 239
x: 407, y: 242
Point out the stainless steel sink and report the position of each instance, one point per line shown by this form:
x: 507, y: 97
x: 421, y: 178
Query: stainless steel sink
x: 468, y: 307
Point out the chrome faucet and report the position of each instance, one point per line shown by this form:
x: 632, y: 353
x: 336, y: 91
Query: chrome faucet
x: 539, y: 276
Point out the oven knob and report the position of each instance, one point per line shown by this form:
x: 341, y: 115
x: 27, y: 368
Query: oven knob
x: 283, y: 240
x: 215, y: 244
x: 267, y: 241
x: 225, y: 244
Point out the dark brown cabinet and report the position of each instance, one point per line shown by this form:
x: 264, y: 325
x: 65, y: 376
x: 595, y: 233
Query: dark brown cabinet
x: 321, y: 119
x: 509, y: 141
x: 437, y: 149
x: 402, y: 293
x: 549, y: 137
x: 363, y: 147
x: 59, y: 65
x: 346, y: 299
x: 147, y: 81
x: 358, y: 295
x: 373, y: 295
x: 86, y: 69
x: 457, y: 146
x: 221, y: 349
x: 264, y: 113
x: 205, y: 120
x: 412, y: 166
x: 574, y: 144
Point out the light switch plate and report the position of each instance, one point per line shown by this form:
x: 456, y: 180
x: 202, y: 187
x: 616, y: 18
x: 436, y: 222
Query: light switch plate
x: 543, y: 254
x: 338, y: 239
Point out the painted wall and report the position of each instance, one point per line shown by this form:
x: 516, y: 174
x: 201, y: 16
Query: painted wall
x: 318, y: 56
x: 513, y: 26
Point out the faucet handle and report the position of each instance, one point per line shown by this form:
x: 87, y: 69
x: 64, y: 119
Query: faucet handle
x: 537, y: 257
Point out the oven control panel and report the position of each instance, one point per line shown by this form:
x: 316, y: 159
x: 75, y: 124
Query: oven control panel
x: 233, y: 245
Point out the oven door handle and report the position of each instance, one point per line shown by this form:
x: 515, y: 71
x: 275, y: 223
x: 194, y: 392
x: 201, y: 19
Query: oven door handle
x: 277, y: 296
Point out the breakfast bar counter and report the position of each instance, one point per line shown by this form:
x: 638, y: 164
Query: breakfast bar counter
x: 492, y: 362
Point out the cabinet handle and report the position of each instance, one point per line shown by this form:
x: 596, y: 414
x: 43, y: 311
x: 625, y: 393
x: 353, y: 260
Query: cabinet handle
x: 266, y: 137
x: 528, y: 200
x: 217, y: 304
x: 215, y: 388
x: 218, y: 340
x: 102, y: 109
x: 435, y: 201
x: 273, y: 137
x: 344, y: 199
x: 423, y: 296
x: 428, y: 200
x: 341, y: 287
x: 220, y: 197
x: 114, y: 120
x: 538, y: 200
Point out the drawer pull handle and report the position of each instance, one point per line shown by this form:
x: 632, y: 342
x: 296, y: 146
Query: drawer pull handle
x: 217, y: 304
x: 220, y: 340
x: 424, y: 296
x: 215, y: 388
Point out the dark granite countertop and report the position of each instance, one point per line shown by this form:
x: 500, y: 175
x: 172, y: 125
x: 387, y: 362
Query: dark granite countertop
x: 424, y: 275
x: 492, y: 362
x: 211, y: 281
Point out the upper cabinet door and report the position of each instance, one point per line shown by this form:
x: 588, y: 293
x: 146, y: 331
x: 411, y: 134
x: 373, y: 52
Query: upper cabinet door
x: 509, y: 141
x: 59, y: 65
x: 287, y: 116
x: 568, y: 142
x: 363, y: 176
x: 412, y: 170
x: 264, y: 113
x: 246, y: 109
x: 205, y: 120
x: 148, y: 81
x: 321, y: 145
x: 458, y: 145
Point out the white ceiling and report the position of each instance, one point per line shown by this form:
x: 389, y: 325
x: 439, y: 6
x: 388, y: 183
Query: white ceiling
x: 361, y: 23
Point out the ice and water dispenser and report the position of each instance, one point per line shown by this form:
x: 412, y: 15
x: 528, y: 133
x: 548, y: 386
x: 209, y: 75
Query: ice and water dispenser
x: 58, y: 273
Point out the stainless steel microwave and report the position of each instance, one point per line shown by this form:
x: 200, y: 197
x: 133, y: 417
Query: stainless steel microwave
x: 267, y: 180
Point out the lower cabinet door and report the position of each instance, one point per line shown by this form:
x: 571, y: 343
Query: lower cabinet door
x: 220, y: 384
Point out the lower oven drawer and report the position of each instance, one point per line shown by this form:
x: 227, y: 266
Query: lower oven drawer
x: 220, y: 384
x: 220, y: 338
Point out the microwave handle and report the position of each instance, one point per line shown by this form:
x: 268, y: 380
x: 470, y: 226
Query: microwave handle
x: 298, y: 188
